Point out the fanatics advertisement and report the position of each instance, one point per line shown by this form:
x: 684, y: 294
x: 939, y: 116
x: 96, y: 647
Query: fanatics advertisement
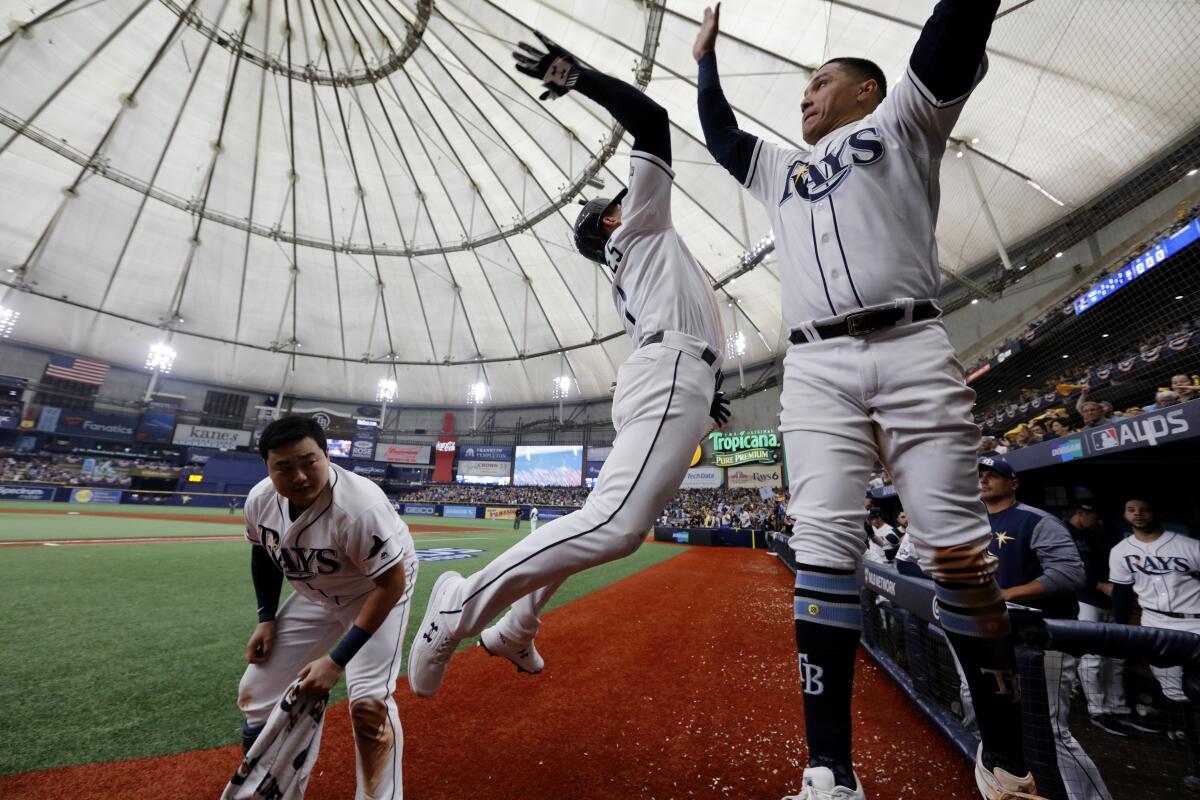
x: 463, y: 512
x: 754, y: 477
x: 100, y: 426
x: 703, y: 478
x: 216, y: 438
x: 403, y: 453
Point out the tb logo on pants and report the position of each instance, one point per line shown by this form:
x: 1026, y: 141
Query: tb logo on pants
x: 811, y: 675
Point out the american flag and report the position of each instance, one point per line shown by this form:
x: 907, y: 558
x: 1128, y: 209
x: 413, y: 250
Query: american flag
x: 79, y: 370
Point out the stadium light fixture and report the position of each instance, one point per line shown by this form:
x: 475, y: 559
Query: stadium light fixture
x: 161, y: 357
x: 974, y: 301
x: 8, y: 320
x: 477, y: 393
x: 735, y: 344
x: 1192, y: 173
x: 1065, y: 355
x: 1049, y: 196
x: 385, y: 392
x: 561, y: 388
x: 1104, y: 336
x: 1058, y: 255
x: 1178, y: 297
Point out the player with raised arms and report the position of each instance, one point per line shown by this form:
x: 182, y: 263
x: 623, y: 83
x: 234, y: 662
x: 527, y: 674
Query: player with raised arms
x: 666, y: 400
x: 871, y: 374
x: 351, y: 561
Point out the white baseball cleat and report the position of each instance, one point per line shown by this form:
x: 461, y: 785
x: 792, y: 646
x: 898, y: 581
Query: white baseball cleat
x: 435, y: 640
x: 819, y: 784
x: 525, y: 656
x: 996, y: 784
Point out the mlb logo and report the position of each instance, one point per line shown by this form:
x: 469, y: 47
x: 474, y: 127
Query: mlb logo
x: 1105, y: 439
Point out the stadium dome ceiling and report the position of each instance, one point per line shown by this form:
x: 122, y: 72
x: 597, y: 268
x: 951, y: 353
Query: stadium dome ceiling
x: 369, y: 186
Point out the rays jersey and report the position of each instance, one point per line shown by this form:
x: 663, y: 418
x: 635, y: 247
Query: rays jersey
x: 657, y: 284
x: 330, y: 552
x: 1165, y: 573
x: 854, y: 219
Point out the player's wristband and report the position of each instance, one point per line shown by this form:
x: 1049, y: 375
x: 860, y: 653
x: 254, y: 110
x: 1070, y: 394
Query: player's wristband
x: 350, y: 644
x: 266, y: 615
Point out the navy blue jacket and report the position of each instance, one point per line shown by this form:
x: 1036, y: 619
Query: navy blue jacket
x: 1032, y: 545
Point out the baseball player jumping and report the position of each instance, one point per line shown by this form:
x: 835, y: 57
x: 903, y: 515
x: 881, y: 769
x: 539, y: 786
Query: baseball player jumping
x: 351, y: 561
x: 1163, y: 571
x: 666, y: 398
x: 871, y: 373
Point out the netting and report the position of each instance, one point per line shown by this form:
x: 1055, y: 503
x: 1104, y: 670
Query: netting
x: 1126, y: 344
x: 1094, y: 726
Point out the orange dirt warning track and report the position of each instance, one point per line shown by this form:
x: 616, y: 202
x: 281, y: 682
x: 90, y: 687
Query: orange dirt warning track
x: 677, y: 682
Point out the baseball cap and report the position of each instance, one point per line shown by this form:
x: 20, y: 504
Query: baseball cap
x: 997, y: 464
x: 875, y: 511
x: 1076, y: 507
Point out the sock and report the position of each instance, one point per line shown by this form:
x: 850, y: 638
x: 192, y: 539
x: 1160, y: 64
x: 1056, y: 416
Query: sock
x: 1183, y: 711
x: 976, y: 623
x: 249, y: 736
x: 828, y: 626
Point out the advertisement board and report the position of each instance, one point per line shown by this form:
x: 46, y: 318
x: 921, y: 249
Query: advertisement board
x: 419, y: 509
x: 744, y: 447
x: 24, y: 491
x: 363, y: 444
x: 499, y: 513
x: 373, y: 471
x: 548, y: 465
x: 48, y: 419
x: 403, y: 453
x: 96, y: 496
x: 204, y: 436
x: 100, y: 426
x: 10, y: 422
x: 754, y: 477
x: 464, y: 512
x: 484, y: 469
x: 703, y: 478
x: 485, y: 452
x: 156, y: 427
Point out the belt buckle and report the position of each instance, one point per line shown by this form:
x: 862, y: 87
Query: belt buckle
x: 853, y: 328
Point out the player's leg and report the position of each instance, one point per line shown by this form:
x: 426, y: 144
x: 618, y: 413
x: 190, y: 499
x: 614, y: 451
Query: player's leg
x: 660, y: 413
x: 512, y: 636
x: 303, y: 631
x: 922, y: 409
x: 370, y: 683
x: 830, y: 453
x: 1094, y: 671
x: 1079, y: 773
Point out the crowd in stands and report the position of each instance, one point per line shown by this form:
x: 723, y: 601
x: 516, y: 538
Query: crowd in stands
x: 478, y: 494
x: 727, y: 508
x: 69, y: 469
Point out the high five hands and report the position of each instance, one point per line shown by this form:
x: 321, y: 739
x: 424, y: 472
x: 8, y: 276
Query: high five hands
x: 706, y: 39
x: 555, y: 68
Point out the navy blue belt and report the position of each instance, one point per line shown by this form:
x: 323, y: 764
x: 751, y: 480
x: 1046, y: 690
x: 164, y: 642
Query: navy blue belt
x: 864, y: 323
x: 708, y: 356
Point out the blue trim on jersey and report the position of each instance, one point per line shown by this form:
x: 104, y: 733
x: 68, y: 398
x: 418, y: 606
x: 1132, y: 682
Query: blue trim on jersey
x: 817, y: 252
x: 629, y: 317
x: 837, y: 232
x: 670, y: 174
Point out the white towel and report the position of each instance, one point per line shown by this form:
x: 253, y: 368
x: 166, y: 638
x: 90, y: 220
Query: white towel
x: 281, y: 760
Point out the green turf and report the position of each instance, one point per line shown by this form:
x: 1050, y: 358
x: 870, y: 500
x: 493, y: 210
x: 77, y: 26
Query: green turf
x: 103, y: 526
x: 34, y: 505
x: 121, y: 651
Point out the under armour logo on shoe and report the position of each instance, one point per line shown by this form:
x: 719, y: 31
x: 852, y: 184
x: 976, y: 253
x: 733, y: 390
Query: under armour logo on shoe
x: 428, y: 636
x: 524, y: 653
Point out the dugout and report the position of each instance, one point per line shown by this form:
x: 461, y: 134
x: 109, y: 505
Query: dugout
x: 1152, y: 454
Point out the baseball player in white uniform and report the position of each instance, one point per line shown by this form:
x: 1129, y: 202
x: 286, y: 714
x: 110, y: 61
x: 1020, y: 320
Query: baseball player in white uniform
x: 533, y: 519
x: 871, y: 373
x: 350, y: 559
x: 666, y: 400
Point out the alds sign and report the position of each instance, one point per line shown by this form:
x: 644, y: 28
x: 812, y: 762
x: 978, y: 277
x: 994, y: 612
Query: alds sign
x: 744, y: 447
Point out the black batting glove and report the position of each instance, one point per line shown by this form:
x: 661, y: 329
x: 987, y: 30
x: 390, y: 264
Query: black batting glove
x: 555, y: 68
x: 719, y: 410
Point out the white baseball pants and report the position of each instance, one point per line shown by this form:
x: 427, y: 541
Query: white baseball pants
x: 660, y: 412
x: 1102, y: 678
x: 306, y: 631
x: 1170, y: 678
x: 899, y: 397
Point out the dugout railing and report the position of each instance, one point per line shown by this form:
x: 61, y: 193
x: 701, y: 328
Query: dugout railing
x: 902, y: 634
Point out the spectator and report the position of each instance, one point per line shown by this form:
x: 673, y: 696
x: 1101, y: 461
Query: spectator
x: 1039, y: 565
x: 1186, y: 387
x: 1060, y: 428
x: 1091, y: 411
x: 1164, y: 399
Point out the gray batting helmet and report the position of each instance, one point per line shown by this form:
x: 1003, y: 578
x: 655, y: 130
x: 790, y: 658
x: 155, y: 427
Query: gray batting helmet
x: 590, y: 235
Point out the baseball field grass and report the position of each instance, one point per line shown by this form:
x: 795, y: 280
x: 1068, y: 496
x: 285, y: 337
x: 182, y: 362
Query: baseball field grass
x: 120, y: 650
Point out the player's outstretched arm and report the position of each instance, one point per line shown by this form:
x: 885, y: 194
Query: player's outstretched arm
x: 950, y: 51
x: 560, y: 72
x: 732, y: 147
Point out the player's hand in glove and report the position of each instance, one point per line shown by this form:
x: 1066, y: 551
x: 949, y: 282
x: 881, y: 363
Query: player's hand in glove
x: 719, y: 410
x: 318, y: 677
x: 555, y: 68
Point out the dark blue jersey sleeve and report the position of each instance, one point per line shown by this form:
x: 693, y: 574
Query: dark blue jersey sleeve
x: 268, y: 582
x: 948, y: 55
x: 732, y: 147
x: 645, y: 119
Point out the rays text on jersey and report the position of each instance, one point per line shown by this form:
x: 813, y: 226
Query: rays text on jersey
x: 818, y: 179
